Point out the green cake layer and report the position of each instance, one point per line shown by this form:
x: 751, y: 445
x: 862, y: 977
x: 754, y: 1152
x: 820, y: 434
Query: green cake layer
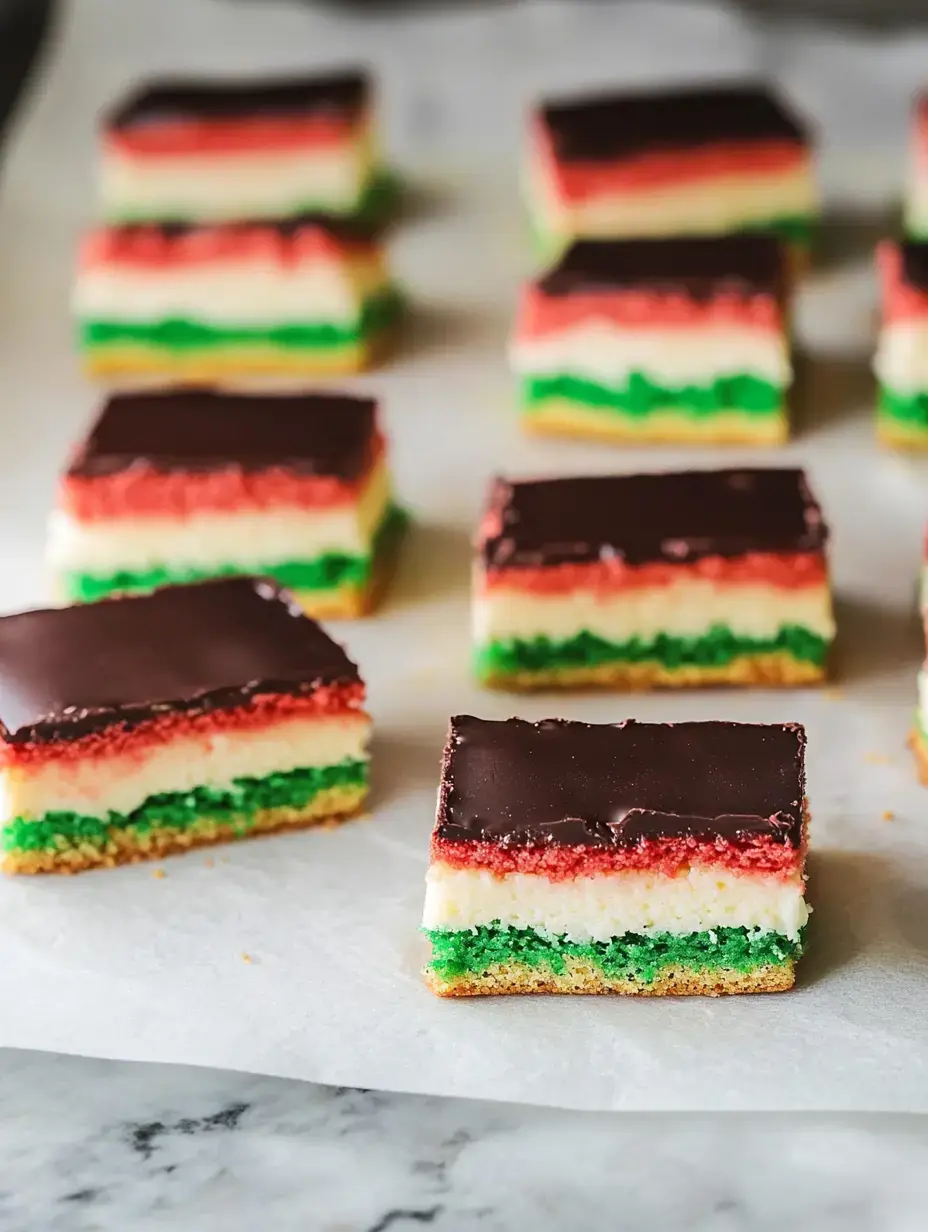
x: 719, y: 646
x: 327, y: 572
x: 235, y: 805
x: 641, y: 396
x: 379, y: 201
x: 911, y: 410
x: 794, y: 229
x: 176, y: 334
x: 634, y: 956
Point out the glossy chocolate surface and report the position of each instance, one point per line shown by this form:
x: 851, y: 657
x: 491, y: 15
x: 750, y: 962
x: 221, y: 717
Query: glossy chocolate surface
x: 68, y: 671
x: 207, y: 430
x: 675, y: 517
x: 701, y: 268
x: 342, y: 93
x: 607, y: 126
x: 561, y: 783
x: 913, y: 265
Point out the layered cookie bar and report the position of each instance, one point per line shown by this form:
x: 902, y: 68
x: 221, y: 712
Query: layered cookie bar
x: 635, y: 581
x: 916, y: 204
x: 181, y: 485
x: 643, y: 858
x: 681, y: 339
x: 207, y: 303
x: 225, y: 151
x: 699, y: 161
x: 901, y: 361
x: 134, y: 728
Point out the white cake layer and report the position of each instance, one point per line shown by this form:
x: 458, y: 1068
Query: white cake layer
x: 121, y: 782
x: 607, y: 905
x: 698, y: 207
x: 249, y: 539
x: 670, y: 356
x: 916, y: 202
x: 688, y: 608
x: 228, y: 187
x: 901, y: 360
x: 250, y: 292
x: 923, y: 679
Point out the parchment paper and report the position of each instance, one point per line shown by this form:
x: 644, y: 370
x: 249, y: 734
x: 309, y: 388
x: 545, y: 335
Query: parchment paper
x: 125, y: 964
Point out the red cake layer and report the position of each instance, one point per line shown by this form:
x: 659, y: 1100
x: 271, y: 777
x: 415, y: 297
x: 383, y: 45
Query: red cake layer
x: 143, y: 491
x: 783, y: 570
x: 157, y: 248
x: 579, y: 181
x: 260, y: 135
x: 260, y: 711
x: 541, y: 314
x: 901, y: 302
x: 666, y: 856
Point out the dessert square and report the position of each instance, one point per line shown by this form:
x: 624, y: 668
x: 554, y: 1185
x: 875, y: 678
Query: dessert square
x: 225, y: 151
x: 636, y: 581
x: 916, y: 203
x: 700, y: 161
x: 134, y: 728
x: 658, y: 340
x: 182, y: 485
x: 643, y: 858
x: 901, y: 360
x: 207, y: 303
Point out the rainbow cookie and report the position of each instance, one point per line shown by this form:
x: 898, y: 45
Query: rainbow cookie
x: 305, y: 297
x: 701, y: 161
x: 183, y: 485
x: 637, y: 581
x: 658, y: 340
x: 901, y: 361
x: 642, y: 858
x: 227, y: 151
x: 134, y: 728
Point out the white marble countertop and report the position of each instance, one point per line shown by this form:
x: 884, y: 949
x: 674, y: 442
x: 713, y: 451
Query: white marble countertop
x: 101, y: 1146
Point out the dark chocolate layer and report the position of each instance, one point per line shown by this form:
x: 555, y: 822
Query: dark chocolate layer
x: 677, y: 517
x: 698, y: 267
x: 614, y: 126
x: 208, y: 430
x: 913, y: 266
x: 342, y: 229
x: 563, y: 784
x: 68, y: 671
x: 342, y: 93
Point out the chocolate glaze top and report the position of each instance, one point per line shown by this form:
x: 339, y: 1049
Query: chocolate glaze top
x: 701, y: 267
x: 68, y: 671
x: 914, y: 264
x: 560, y: 783
x: 340, y: 93
x: 208, y: 430
x: 608, y: 126
x: 676, y: 517
x: 345, y: 230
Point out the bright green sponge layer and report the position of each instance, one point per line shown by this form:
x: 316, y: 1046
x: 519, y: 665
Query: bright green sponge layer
x: 908, y: 409
x: 178, y: 334
x: 235, y: 805
x: 716, y: 648
x: 327, y: 572
x: 641, y: 396
x: 633, y: 956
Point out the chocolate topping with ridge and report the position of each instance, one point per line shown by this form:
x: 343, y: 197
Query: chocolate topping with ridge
x: 342, y: 93
x: 201, y: 430
x: 65, y: 672
x: 562, y: 784
x: 913, y: 264
x: 607, y: 126
x: 700, y: 267
x: 676, y: 517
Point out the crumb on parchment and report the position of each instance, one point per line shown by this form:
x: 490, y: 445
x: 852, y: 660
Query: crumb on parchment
x: 246, y: 957
x: 159, y: 873
x: 888, y: 814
